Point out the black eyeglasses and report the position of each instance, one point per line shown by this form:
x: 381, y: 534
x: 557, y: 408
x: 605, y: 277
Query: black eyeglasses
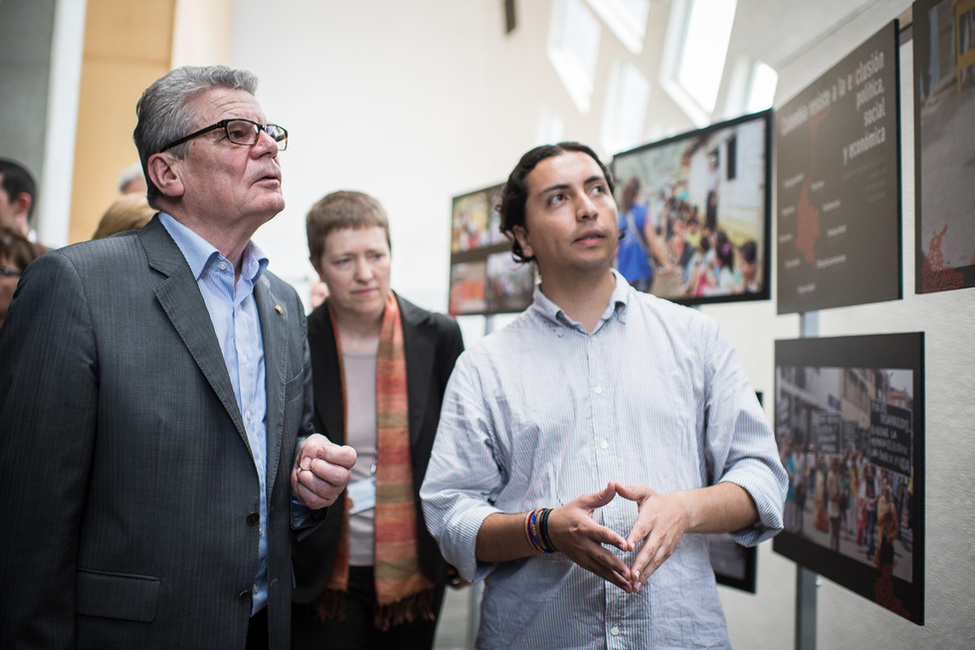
x: 240, y: 131
x: 9, y: 272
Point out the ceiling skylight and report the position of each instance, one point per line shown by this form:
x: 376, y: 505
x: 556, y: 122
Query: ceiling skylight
x: 573, y: 49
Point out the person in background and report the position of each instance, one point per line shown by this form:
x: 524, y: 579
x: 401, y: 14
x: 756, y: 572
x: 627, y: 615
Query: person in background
x: 127, y: 212
x: 319, y: 292
x: 18, y: 196
x: 633, y: 254
x: 132, y: 180
x: 374, y: 577
x: 834, y: 503
x: 585, y: 448
x: 887, y: 528
x: 749, y: 281
x: 156, y: 445
x: 16, y: 252
x: 870, y: 489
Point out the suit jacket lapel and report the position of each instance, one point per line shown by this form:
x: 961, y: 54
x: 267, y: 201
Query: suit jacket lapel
x: 180, y: 298
x: 273, y: 316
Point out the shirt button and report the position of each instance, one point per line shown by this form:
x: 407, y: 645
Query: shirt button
x: 599, y: 390
x: 245, y: 596
x: 223, y: 266
x: 604, y: 444
x: 614, y: 631
x: 253, y: 519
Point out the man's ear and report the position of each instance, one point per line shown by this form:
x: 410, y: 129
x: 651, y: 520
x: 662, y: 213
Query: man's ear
x: 165, y: 173
x: 522, y: 236
x: 22, y: 204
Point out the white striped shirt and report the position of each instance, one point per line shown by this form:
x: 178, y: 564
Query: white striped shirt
x: 542, y: 412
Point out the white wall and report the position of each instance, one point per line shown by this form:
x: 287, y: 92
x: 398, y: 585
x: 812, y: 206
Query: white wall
x: 416, y: 101
x: 412, y: 102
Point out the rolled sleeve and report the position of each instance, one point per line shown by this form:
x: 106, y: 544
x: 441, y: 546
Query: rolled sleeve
x: 741, y: 443
x: 463, y: 475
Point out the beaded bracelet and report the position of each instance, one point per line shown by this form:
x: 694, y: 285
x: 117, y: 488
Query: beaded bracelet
x: 536, y: 530
x: 531, y: 530
x: 543, y: 526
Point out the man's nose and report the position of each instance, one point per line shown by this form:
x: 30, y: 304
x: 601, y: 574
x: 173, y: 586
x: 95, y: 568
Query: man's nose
x: 265, y: 144
x: 585, y: 208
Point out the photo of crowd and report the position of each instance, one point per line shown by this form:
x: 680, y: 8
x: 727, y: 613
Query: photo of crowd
x: 848, y: 438
x: 693, y: 211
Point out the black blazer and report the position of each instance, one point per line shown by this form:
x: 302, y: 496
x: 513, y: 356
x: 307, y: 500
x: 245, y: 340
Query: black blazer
x: 432, y: 344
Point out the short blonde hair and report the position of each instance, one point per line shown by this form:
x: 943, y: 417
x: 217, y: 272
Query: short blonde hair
x: 128, y: 212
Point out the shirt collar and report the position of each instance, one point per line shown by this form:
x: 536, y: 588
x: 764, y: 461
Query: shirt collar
x: 551, y: 312
x: 199, y: 252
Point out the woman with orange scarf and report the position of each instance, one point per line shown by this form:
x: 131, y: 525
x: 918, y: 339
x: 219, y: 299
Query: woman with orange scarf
x: 371, y: 576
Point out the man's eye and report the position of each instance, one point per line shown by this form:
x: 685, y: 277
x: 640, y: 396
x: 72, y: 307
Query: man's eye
x: 239, y: 133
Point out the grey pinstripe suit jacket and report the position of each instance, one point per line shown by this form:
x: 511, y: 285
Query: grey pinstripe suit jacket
x: 127, y: 488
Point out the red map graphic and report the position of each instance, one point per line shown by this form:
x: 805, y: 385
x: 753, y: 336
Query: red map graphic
x: 807, y: 217
x: 807, y: 224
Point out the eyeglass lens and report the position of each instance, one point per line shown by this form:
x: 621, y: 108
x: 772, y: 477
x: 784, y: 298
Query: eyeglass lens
x: 247, y: 133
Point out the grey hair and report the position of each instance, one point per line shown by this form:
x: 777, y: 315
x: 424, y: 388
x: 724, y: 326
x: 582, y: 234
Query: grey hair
x: 164, y: 113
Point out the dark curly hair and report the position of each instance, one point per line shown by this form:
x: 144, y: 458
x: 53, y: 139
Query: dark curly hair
x: 515, y: 192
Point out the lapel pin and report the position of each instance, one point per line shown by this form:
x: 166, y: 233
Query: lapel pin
x: 278, y: 309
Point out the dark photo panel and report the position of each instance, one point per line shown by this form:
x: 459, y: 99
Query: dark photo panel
x: 694, y: 213
x: 837, y: 167
x: 734, y: 565
x: 849, y: 423
x: 944, y: 145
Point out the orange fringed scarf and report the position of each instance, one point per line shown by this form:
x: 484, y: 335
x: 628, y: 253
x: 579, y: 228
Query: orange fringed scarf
x: 403, y: 593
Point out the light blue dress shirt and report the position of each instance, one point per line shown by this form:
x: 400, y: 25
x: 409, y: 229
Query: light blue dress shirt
x: 238, y: 329
x: 542, y: 412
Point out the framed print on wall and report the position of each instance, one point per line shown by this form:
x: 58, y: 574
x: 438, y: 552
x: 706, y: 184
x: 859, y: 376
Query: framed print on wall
x: 849, y: 423
x: 944, y: 142
x: 694, y: 213
x: 484, y: 278
x: 837, y: 164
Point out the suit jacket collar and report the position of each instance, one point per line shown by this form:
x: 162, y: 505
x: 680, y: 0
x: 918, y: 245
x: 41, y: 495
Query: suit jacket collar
x: 179, y: 296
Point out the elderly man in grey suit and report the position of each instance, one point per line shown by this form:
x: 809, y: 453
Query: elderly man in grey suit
x: 156, y: 451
